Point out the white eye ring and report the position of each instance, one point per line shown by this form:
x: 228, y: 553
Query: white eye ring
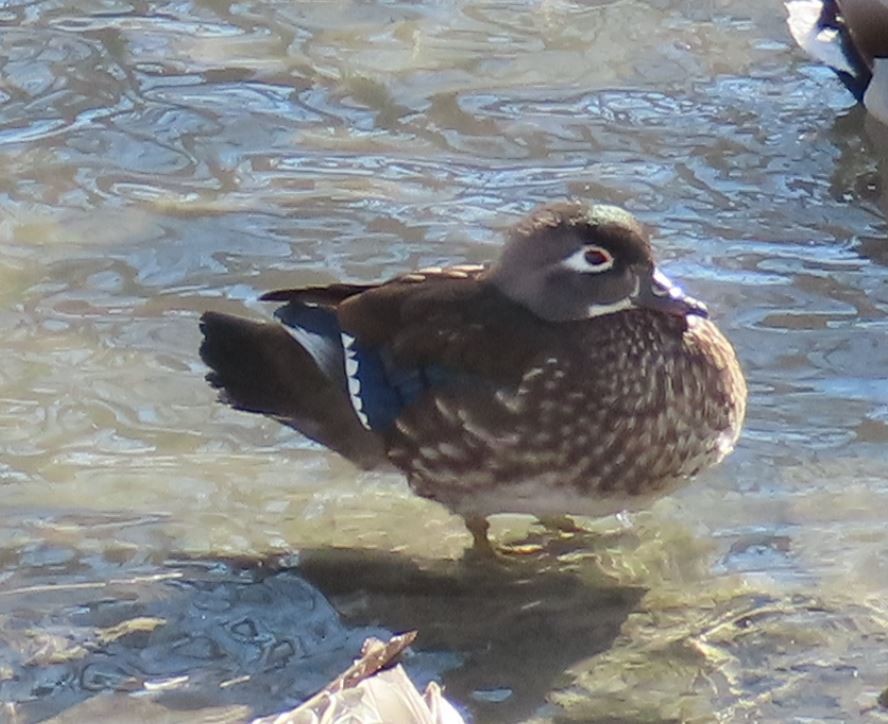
x: 579, y: 262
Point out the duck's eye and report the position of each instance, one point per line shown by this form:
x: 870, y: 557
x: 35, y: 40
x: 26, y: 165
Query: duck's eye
x: 589, y: 260
x: 596, y: 257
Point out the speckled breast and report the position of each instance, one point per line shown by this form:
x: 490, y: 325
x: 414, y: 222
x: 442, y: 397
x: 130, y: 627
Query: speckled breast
x: 622, y: 409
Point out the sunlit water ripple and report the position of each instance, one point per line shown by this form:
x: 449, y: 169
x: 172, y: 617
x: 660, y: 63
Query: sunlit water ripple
x: 163, y: 159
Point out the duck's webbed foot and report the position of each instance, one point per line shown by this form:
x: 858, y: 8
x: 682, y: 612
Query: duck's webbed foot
x: 483, y: 550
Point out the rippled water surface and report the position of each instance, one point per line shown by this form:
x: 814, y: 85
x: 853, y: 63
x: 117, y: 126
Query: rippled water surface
x: 163, y: 558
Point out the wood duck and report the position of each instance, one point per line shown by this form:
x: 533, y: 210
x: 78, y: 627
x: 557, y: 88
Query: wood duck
x: 568, y: 377
x: 851, y: 36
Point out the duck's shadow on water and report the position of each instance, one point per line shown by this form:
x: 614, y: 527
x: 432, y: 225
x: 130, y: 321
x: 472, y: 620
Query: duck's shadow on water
x: 263, y: 635
x: 515, y: 629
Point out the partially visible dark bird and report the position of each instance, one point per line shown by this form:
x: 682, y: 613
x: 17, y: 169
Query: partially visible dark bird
x: 569, y: 377
x: 851, y: 36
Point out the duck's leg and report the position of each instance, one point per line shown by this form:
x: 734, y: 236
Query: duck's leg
x: 478, y: 527
x: 483, y: 549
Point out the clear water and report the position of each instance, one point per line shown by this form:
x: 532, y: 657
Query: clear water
x: 164, y: 158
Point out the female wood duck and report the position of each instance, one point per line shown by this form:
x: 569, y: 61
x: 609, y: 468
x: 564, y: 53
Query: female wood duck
x: 851, y: 36
x: 569, y: 377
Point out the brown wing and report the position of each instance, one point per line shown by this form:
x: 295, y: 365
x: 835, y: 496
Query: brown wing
x: 458, y: 322
x: 330, y: 296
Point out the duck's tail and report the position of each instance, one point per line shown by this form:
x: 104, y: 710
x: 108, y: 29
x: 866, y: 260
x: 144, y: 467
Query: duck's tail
x: 260, y: 367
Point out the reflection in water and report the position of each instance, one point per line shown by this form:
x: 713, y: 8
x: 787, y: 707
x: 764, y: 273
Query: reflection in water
x: 862, y: 174
x: 517, y: 628
x: 165, y: 158
x: 247, y: 637
x: 194, y: 633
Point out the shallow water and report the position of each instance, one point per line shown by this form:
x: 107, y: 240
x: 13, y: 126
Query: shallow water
x: 166, y: 558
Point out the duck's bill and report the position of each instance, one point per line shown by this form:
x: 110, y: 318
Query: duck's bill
x: 661, y: 295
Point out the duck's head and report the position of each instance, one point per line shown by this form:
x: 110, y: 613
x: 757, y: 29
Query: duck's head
x: 569, y: 261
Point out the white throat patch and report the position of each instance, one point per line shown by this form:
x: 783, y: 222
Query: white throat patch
x: 628, y: 302
x: 599, y: 310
